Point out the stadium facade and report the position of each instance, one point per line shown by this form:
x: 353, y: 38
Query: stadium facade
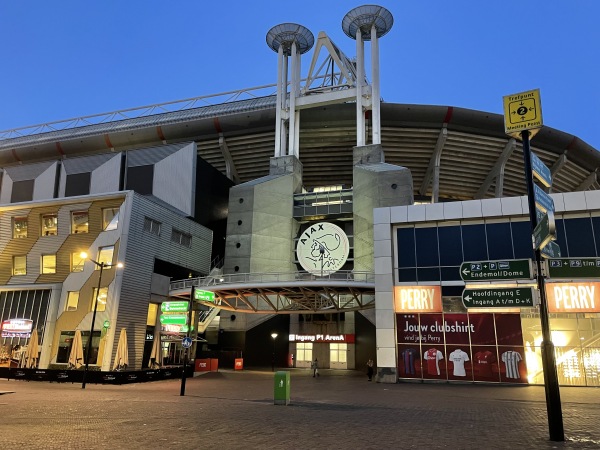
x: 224, y: 197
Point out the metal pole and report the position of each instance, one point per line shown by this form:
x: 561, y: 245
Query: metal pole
x: 89, y: 343
x: 553, y: 405
x: 185, y: 352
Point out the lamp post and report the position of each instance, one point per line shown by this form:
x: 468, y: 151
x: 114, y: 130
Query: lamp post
x: 273, y: 336
x: 88, y: 351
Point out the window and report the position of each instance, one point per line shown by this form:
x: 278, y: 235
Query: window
x: 49, y: 224
x: 152, y: 314
x: 19, y: 227
x: 105, y: 255
x: 181, y: 238
x: 304, y: 351
x: 72, y: 301
x: 19, y: 265
x: 110, y: 219
x: 79, y: 222
x: 102, y: 298
x: 77, y: 262
x: 151, y: 226
x: 48, y: 263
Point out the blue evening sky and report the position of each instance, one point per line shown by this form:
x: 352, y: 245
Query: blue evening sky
x: 73, y: 58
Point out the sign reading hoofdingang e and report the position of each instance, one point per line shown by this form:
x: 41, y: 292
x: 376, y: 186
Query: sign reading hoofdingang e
x: 509, y: 269
x: 499, y: 298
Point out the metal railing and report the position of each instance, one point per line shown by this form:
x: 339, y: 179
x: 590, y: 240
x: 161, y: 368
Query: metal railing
x: 276, y: 277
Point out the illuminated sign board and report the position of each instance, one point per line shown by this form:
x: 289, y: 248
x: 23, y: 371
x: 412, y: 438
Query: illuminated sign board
x: 17, y: 328
x: 573, y: 297
x: 418, y: 298
x: 174, y: 319
x: 204, y: 296
x: 175, y: 306
x: 345, y: 338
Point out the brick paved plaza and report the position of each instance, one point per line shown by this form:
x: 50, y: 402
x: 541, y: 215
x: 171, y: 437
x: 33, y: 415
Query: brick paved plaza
x: 340, y: 409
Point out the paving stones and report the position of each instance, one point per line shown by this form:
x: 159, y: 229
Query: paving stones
x: 341, y: 409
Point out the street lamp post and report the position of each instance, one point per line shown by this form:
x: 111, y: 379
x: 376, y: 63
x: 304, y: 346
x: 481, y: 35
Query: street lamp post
x: 273, y: 336
x: 88, y: 351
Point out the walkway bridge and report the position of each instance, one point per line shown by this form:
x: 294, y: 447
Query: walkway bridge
x: 283, y: 293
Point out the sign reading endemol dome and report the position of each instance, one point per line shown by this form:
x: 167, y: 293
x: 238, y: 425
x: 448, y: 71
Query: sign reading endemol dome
x: 522, y: 112
x: 418, y: 298
x: 573, y: 297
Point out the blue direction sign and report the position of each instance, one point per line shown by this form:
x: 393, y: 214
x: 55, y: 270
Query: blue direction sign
x: 542, y: 200
x: 551, y: 250
x: 545, y: 231
x: 540, y: 170
x: 186, y: 342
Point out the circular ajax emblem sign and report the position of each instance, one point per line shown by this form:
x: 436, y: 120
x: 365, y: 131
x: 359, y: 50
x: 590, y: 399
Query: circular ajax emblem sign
x: 323, y: 248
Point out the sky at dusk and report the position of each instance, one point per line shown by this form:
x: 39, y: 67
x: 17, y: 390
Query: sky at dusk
x: 71, y: 58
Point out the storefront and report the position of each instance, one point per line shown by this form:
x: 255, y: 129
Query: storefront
x: 435, y: 337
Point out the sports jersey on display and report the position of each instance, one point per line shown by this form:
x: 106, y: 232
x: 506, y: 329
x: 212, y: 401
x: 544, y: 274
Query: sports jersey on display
x: 408, y: 357
x: 484, y: 362
x: 511, y: 360
x: 458, y: 358
x: 432, y: 356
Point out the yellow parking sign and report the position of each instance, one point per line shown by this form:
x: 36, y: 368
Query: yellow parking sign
x: 522, y: 111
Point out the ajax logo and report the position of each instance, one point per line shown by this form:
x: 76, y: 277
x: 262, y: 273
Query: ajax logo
x: 323, y: 248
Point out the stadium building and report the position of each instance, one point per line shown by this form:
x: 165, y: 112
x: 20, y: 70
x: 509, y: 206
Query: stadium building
x: 329, y: 225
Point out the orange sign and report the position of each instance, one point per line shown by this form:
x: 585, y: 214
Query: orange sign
x: 573, y: 297
x: 421, y: 299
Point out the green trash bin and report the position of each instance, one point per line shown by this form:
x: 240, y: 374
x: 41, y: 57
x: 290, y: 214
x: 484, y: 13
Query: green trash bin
x: 282, y: 388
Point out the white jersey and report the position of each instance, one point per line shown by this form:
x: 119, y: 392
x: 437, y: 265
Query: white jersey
x: 458, y: 358
x: 511, y: 360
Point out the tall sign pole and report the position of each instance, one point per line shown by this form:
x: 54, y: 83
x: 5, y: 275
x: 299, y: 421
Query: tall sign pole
x: 186, y: 344
x: 522, y: 113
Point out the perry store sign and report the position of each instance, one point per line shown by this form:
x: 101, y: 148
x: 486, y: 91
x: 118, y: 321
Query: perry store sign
x: 573, y: 297
x: 418, y: 299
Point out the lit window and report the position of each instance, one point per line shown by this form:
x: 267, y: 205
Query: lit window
x: 181, y: 238
x: 102, y: 298
x: 49, y: 224
x: 19, y: 227
x: 152, y: 314
x: 151, y: 226
x: 48, y: 263
x: 72, y: 301
x: 105, y: 255
x: 19, y: 265
x: 79, y: 222
x: 110, y: 219
x: 77, y: 262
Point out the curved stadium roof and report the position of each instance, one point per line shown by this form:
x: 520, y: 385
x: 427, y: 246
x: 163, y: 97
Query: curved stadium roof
x: 471, y: 144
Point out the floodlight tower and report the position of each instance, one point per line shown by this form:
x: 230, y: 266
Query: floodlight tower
x: 288, y: 40
x: 367, y: 23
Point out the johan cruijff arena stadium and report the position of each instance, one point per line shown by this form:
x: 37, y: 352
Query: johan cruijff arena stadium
x: 304, y: 220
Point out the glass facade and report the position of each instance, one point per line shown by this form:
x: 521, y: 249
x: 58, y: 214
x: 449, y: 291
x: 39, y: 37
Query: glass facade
x: 433, y: 252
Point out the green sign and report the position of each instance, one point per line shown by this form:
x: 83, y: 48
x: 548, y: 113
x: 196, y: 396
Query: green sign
x: 574, y: 268
x: 204, y: 296
x: 106, y: 324
x: 498, y: 298
x: 551, y: 250
x: 510, y: 269
x: 174, y: 319
x: 545, y: 231
x: 175, y: 306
